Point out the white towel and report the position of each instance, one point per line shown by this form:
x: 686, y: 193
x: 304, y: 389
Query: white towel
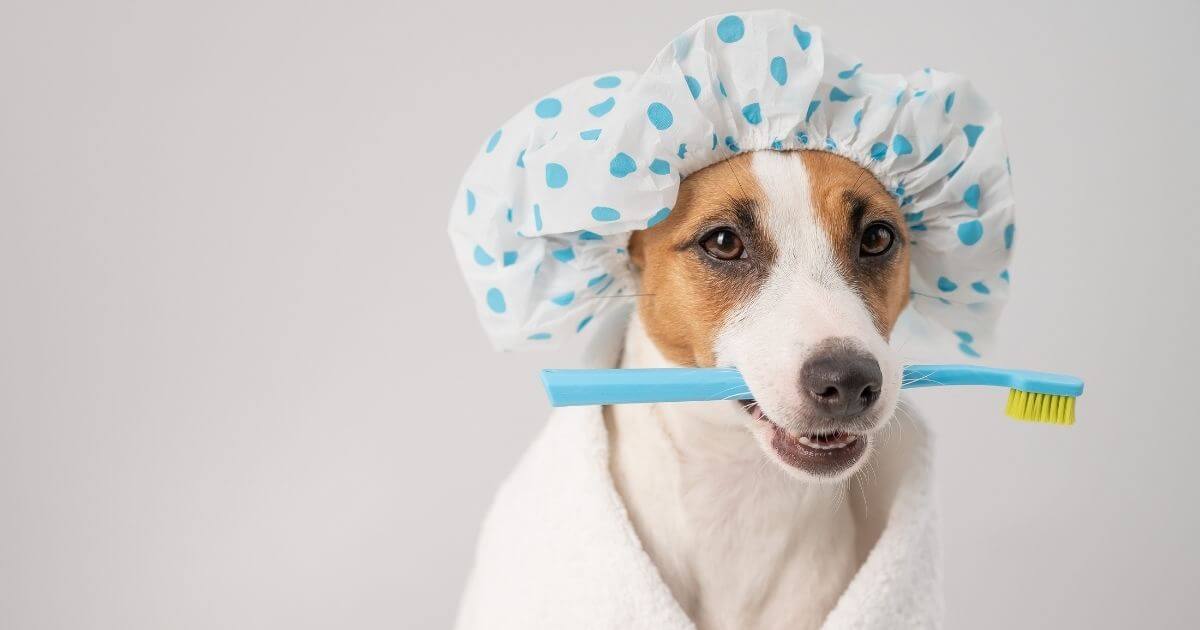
x: 557, y: 549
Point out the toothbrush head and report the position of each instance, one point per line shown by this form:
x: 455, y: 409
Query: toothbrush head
x: 1047, y: 408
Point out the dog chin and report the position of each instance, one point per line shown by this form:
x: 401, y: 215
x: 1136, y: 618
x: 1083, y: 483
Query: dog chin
x: 825, y: 455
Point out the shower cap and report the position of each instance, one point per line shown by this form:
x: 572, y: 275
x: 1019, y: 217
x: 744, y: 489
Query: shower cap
x: 543, y: 215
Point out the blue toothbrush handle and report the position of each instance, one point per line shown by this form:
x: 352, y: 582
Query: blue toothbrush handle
x: 613, y: 387
x: 1024, y: 380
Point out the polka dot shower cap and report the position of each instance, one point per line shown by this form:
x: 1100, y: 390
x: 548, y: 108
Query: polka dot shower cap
x: 544, y: 213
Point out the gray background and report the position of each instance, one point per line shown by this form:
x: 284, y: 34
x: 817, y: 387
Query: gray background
x: 241, y: 384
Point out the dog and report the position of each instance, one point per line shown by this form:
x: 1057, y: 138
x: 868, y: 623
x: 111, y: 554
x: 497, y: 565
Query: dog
x: 792, y: 266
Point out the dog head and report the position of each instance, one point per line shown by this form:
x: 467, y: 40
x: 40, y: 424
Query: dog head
x: 793, y: 268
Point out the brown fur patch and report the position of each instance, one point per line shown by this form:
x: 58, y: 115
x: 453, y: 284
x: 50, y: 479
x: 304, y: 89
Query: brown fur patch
x: 846, y: 198
x: 686, y: 297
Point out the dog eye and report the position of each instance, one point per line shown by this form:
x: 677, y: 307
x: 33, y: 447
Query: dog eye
x: 723, y: 244
x: 877, y: 239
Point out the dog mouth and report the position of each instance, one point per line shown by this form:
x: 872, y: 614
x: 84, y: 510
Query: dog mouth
x: 823, y: 453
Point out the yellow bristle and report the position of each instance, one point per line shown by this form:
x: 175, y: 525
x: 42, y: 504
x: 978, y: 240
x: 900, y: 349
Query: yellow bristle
x: 1040, y: 407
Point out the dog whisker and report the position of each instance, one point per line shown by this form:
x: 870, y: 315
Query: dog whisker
x: 626, y: 295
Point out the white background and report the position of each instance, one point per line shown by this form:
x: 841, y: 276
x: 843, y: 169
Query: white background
x: 241, y: 384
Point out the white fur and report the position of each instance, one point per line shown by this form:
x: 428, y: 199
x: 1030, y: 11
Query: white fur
x: 741, y: 539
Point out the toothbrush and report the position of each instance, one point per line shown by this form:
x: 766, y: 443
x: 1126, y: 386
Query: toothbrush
x: 1034, y: 396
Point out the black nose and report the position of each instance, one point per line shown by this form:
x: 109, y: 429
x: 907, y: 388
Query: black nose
x: 840, y: 380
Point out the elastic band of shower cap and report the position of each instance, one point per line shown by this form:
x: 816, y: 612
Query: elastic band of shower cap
x: 543, y: 215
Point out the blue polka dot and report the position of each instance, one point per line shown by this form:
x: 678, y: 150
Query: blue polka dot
x: 945, y: 284
x: 622, y: 165
x: 836, y: 95
x: 588, y: 235
x: 548, y: 108
x: 802, y: 137
x: 830, y: 144
x: 965, y: 336
x: 949, y: 102
x: 730, y: 29
x: 537, y: 217
x: 878, y: 151
x: 812, y: 109
x: 934, y: 154
x: 954, y: 171
x: 470, y: 202
x: 1009, y: 232
x: 510, y: 258
x: 968, y: 350
x: 660, y: 116
x: 556, y: 175
x: 566, y: 254
x: 918, y: 93
x: 752, y: 113
x: 1004, y: 275
x: 660, y: 167
x: 602, y: 213
x: 521, y: 159
x: 777, y: 145
x: 583, y: 322
x: 980, y: 288
x: 542, y: 336
x: 901, y: 145
x: 608, y: 82
x: 858, y: 118
x: 779, y: 70
x: 508, y: 215
x: 493, y: 141
x: 603, y: 107
x: 846, y: 74
x: 495, y: 301
x: 721, y: 88
x: 564, y: 299
x: 482, y: 257
x: 970, y: 232
x: 682, y: 150
x: 731, y: 145
x: 592, y: 282
x: 682, y: 45
x: 803, y: 37
x: 972, y: 132
x: 589, y: 134
x: 658, y: 217
x: 604, y: 287
x: 715, y: 142
x: 693, y: 86
x: 971, y: 196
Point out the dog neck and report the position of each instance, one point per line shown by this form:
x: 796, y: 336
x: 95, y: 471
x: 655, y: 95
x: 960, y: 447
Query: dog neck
x: 739, y: 542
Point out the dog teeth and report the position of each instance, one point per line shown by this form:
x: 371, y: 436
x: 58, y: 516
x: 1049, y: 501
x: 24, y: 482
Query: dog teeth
x: 828, y: 444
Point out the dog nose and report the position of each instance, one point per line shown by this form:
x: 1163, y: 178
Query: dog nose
x: 841, y: 382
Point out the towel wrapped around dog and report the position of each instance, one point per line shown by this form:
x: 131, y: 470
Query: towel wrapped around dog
x: 558, y: 550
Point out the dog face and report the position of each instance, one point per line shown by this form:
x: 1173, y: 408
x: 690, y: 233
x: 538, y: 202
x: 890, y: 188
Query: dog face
x: 791, y: 267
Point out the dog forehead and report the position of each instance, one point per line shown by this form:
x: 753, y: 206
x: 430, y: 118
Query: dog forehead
x: 786, y: 204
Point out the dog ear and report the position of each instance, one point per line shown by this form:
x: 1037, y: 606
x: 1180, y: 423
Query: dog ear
x: 637, y: 252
